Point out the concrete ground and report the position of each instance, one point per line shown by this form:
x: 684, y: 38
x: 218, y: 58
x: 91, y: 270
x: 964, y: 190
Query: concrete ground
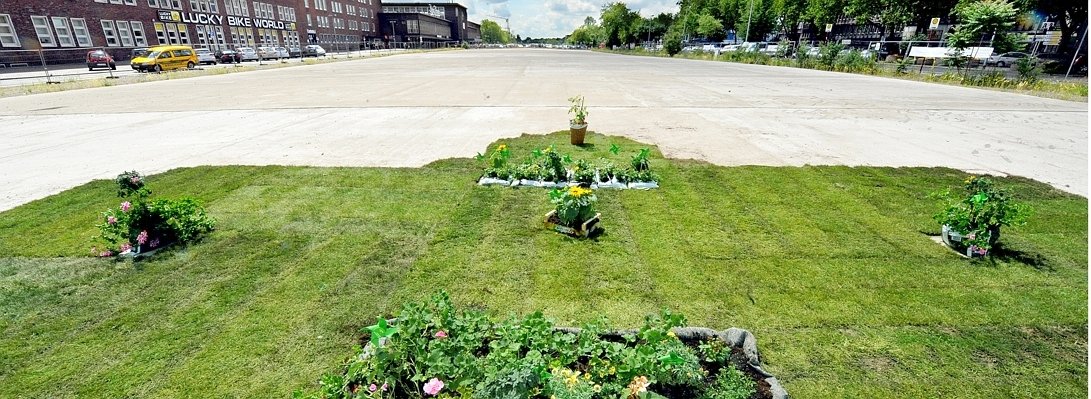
x: 412, y: 109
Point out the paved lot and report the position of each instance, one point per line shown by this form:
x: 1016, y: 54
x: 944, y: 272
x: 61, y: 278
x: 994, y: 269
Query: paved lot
x: 409, y: 110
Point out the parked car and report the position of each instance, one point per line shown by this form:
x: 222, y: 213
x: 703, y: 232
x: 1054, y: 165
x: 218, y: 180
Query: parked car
x: 205, y: 56
x: 268, y: 53
x: 313, y: 50
x: 138, y: 52
x: 247, y: 54
x: 99, y: 58
x: 295, y: 52
x: 282, y: 52
x: 163, y: 58
x: 228, y: 57
x: 1006, y: 59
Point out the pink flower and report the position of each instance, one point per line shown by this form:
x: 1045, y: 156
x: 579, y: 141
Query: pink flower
x: 142, y: 237
x: 441, y: 334
x: 125, y: 247
x: 383, y: 388
x: 111, y: 220
x: 372, y: 388
x: 134, y: 179
x: 126, y: 206
x: 154, y: 243
x: 433, y: 386
x: 105, y: 254
x: 971, y: 236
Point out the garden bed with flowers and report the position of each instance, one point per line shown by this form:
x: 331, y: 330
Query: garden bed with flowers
x: 548, y: 168
x: 436, y: 350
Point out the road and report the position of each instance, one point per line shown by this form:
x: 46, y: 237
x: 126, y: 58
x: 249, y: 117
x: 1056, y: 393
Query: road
x: 34, y: 73
x: 409, y: 110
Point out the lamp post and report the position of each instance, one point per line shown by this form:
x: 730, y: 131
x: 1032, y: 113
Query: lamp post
x: 748, y: 16
x: 393, y: 33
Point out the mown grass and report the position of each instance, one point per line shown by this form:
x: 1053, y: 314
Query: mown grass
x: 829, y: 266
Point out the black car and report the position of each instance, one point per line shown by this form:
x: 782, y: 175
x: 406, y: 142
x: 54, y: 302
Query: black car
x: 228, y: 56
x: 314, y: 50
x: 295, y: 52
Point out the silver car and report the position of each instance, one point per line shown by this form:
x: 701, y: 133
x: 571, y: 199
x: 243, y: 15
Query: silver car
x: 1007, y: 59
x: 248, y: 54
x: 205, y: 56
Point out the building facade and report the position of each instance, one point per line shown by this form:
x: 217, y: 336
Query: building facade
x: 118, y: 25
x: 454, y: 14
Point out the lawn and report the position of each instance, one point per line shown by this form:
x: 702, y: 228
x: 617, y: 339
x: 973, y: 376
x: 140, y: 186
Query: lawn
x: 830, y: 267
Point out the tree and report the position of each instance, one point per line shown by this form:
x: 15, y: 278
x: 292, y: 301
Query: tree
x: 982, y: 20
x: 618, y: 23
x: 492, y: 33
x: 889, y: 14
x: 1071, y: 17
x: 709, y: 27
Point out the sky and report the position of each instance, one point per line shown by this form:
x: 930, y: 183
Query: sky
x: 552, y: 18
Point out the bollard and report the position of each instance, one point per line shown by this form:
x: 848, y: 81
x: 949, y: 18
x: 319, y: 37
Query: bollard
x: 48, y: 78
x: 108, y: 67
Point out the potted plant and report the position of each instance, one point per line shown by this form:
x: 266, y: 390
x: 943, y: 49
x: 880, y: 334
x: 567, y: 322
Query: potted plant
x: 574, y: 213
x: 578, y: 123
x: 971, y: 222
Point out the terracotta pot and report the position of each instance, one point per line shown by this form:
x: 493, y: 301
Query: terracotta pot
x: 577, y: 133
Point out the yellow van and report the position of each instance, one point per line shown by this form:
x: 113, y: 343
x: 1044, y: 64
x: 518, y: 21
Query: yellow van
x: 165, y: 58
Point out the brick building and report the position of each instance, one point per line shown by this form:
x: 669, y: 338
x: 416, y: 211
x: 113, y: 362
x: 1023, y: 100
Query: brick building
x: 119, y: 25
x: 428, y: 16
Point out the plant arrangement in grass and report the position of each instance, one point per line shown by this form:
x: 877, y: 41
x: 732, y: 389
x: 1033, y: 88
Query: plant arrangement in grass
x: 140, y: 224
x: 496, y: 163
x: 574, y: 211
x: 578, y: 123
x: 583, y: 172
x: 554, y: 164
x: 972, y: 220
x: 436, y: 350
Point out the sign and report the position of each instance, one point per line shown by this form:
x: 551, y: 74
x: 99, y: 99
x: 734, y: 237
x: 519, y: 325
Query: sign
x: 829, y: 28
x: 1053, y: 38
x: 908, y: 32
x: 933, y: 24
x: 232, y: 20
x: 979, y: 53
x: 847, y: 42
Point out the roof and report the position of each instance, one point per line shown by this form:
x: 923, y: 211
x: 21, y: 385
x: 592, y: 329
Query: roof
x: 415, y: 2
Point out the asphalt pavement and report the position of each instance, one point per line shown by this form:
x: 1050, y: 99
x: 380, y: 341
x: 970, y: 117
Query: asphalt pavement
x: 412, y: 109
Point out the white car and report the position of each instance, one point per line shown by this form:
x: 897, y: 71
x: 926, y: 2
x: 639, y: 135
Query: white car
x: 1007, y: 59
x: 283, y: 53
x: 205, y: 56
x: 268, y: 53
x: 247, y: 54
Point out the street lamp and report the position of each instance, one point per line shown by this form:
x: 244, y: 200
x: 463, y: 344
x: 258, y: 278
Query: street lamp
x: 393, y: 33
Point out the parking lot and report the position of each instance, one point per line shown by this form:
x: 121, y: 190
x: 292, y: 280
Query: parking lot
x: 412, y: 109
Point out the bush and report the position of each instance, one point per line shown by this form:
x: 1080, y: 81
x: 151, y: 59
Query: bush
x: 854, y: 61
x: 140, y: 224
x: 982, y: 209
x: 672, y: 43
x: 827, y: 55
x: 731, y: 384
x: 574, y: 205
x: 1029, y: 71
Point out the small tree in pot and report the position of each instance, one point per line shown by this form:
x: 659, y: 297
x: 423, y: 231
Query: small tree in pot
x: 578, y: 124
x: 971, y: 222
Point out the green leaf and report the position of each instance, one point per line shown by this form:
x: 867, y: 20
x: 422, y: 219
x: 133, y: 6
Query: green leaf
x: 615, y: 149
x: 381, y: 330
x: 672, y: 359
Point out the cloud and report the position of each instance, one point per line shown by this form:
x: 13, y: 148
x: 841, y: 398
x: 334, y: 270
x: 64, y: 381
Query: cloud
x: 553, y: 18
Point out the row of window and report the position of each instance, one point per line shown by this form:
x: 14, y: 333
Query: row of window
x: 263, y: 10
x: 236, y: 7
x: 125, y: 2
x: 286, y: 13
x: 73, y: 32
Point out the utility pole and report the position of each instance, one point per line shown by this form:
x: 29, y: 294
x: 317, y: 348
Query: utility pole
x: 507, y: 25
x: 1076, y: 53
x: 748, y: 16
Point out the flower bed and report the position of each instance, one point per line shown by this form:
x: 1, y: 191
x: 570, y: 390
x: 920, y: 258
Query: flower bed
x: 549, y: 169
x: 141, y: 225
x: 434, y: 350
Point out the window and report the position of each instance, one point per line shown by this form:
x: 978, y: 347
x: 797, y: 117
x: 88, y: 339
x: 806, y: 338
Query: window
x: 110, y: 31
x: 125, y: 34
x: 64, y: 32
x: 412, y: 26
x: 153, y: 3
x: 183, y: 36
x: 138, y: 33
x: 176, y: 4
x: 83, y: 36
x: 45, y: 34
x: 130, y: 2
x: 309, y: 20
x: 212, y: 7
x: 8, y: 37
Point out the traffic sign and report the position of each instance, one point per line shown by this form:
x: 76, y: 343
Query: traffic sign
x: 829, y: 28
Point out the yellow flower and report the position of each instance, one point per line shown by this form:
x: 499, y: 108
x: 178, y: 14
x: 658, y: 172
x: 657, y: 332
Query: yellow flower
x: 613, y: 370
x: 672, y: 334
x: 577, y: 191
x: 502, y: 147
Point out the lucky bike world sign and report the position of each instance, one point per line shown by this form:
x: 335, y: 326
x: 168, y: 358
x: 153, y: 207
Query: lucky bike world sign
x: 232, y: 20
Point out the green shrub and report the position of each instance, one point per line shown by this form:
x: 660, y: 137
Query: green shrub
x: 1028, y: 69
x: 672, y: 43
x: 827, y: 55
x: 982, y: 208
x: 855, y: 62
x: 730, y: 383
x: 141, y: 224
x: 574, y: 205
